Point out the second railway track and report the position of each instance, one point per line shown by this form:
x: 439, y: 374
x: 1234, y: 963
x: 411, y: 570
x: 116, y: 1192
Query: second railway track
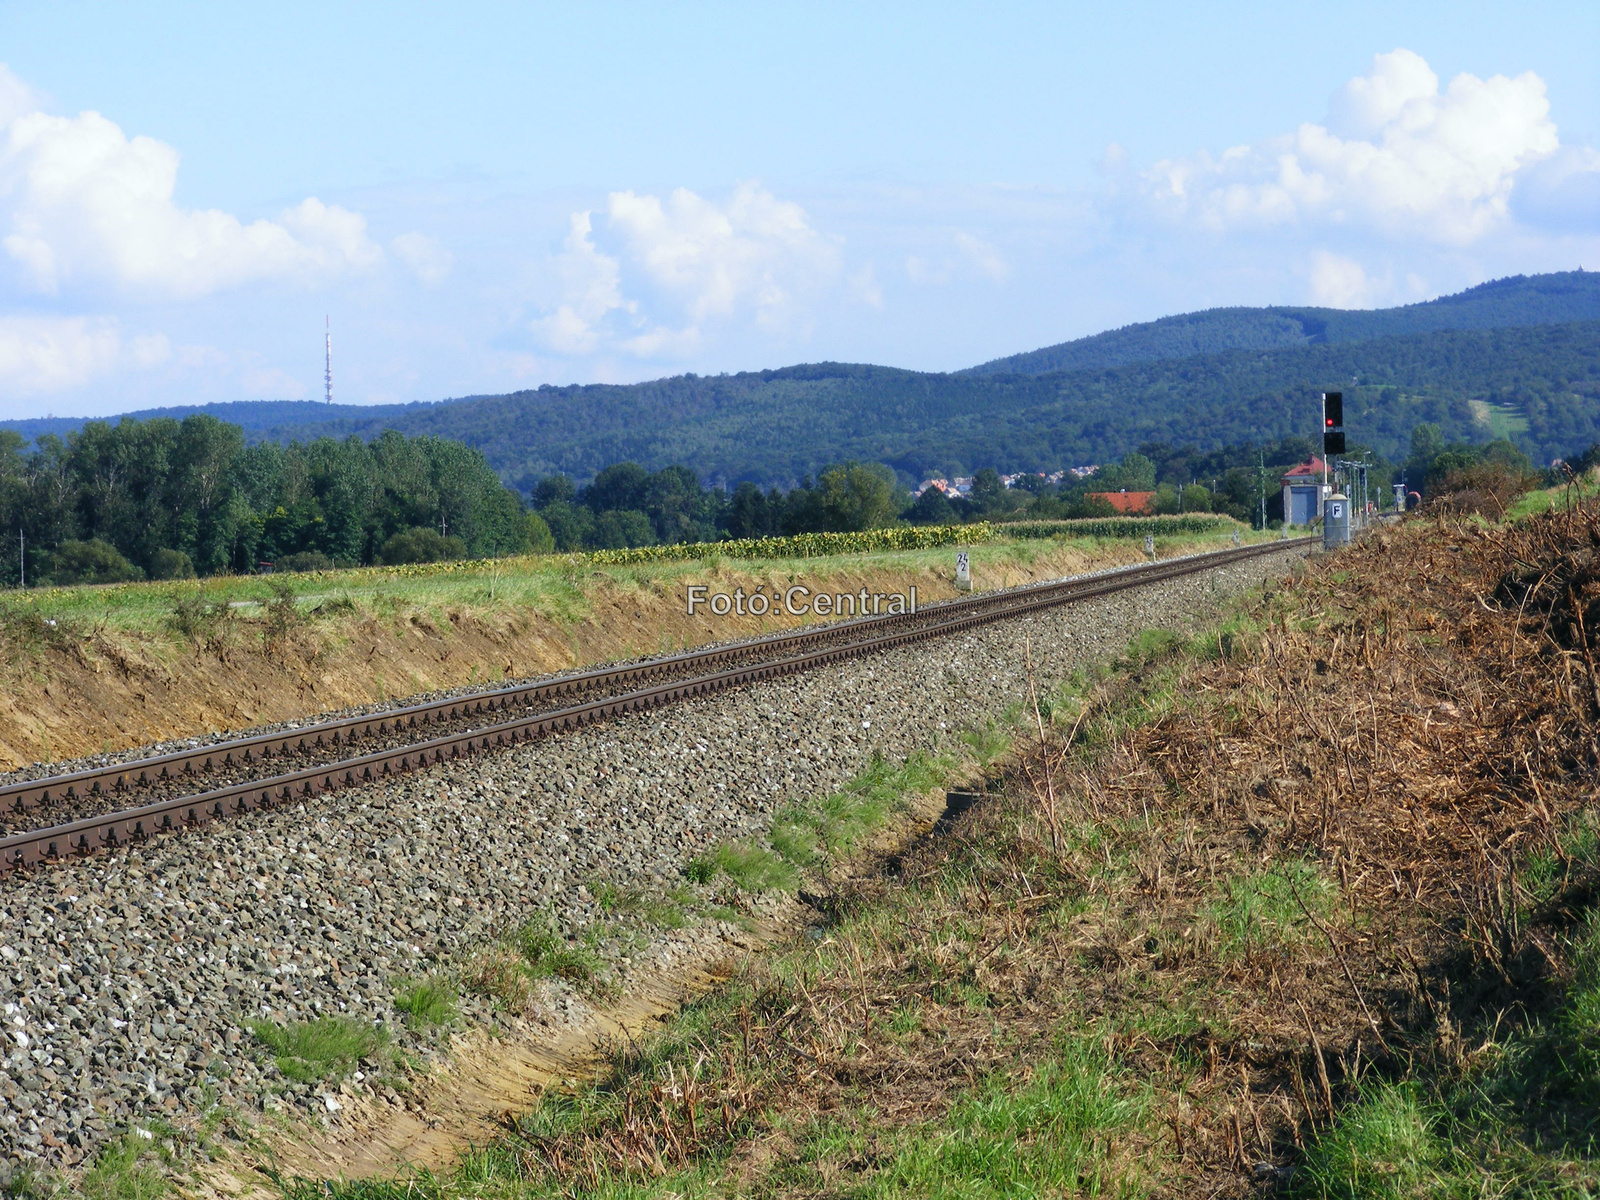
x: 112, y: 804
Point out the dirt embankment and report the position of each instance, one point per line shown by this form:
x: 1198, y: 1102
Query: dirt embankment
x: 73, y: 693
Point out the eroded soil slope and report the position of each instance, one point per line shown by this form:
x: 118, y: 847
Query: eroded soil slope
x: 86, y: 689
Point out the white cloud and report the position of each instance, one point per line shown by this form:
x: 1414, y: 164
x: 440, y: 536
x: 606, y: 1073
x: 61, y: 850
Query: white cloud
x: 150, y: 350
x: 48, y: 355
x: 1397, y: 155
x: 971, y: 254
x: 1339, y: 282
x: 16, y: 97
x: 985, y: 257
x: 864, y: 287
x: 425, y: 258
x: 1114, y: 159
x: 590, y: 284
x: 42, y: 355
x: 83, y: 203
x: 920, y: 271
x: 667, y: 271
x: 756, y: 254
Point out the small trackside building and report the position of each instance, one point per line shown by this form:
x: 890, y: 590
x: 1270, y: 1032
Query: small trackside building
x: 1303, y: 492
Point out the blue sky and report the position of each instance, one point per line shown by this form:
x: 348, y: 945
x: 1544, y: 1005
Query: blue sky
x: 485, y: 197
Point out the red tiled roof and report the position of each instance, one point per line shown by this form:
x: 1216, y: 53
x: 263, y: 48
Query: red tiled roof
x: 1125, y: 502
x: 1313, y: 467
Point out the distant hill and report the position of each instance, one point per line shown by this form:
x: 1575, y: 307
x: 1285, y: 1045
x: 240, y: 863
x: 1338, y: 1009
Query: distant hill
x: 1540, y: 385
x: 1503, y: 303
x: 1503, y: 359
x: 262, y: 420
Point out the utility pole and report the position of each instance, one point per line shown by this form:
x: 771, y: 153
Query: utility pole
x: 327, y: 345
x: 22, y: 557
x: 1261, y: 485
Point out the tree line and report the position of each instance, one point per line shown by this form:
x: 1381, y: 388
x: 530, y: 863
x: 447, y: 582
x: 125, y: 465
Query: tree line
x: 167, y: 499
x: 164, y: 499
x: 626, y: 505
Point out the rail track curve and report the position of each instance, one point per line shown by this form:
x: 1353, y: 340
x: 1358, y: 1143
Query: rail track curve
x: 755, y: 660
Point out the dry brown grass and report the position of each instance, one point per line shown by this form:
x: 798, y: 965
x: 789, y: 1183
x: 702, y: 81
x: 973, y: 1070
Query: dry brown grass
x: 1244, y: 885
x: 1415, y: 717
x: 1487, y: 489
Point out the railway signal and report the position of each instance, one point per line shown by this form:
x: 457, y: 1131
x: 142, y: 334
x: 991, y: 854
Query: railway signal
x: 1332, y: 423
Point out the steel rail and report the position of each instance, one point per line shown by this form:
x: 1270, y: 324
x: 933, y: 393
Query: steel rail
x: 21, y: 795
x: 106, y: 831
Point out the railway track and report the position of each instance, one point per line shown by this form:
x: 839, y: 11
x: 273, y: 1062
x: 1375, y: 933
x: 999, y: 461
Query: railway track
x: 246, y: 774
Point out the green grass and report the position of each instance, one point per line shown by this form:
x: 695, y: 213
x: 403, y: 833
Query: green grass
x: 535, y: 950
x: 548, y: 954
x: 1547, y: 872
x: 1547, y: 1078
x: 810, y: 835
x: 1384, y: 1146
x: 1106, y: 701
x: 752, y: 869
x: 1521, y: 1116
x: 427, y: 1001
x: 130, y: 1168
x: 988, y: 742
x: 1148, y: 645
x: 1530, y: 504
x: 1049, y: 1135
x: 1561, y: 496
x: 671, y: 911
x: 327, y: 1048
x: 1501, y: 420
x: 1063, y: 1125
x: 1260, y: 911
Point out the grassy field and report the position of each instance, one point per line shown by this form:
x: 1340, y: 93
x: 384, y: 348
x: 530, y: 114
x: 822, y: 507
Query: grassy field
x: 1560, y: 497
x: 558, y: 588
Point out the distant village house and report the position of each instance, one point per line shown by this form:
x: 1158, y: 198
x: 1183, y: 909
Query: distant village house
x: 1133, y: 503
x: 961, y: 485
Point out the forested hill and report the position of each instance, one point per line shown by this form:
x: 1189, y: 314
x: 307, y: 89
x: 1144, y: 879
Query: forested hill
x: 1502, y: 303
x: 261, y: 420
x: 1520, y: 366
x: 1541, y: 385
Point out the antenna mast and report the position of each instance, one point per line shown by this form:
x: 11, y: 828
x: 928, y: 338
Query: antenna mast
x: 327, y: 374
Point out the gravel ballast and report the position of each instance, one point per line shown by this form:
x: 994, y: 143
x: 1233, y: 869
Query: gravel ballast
x: 128, y: 977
